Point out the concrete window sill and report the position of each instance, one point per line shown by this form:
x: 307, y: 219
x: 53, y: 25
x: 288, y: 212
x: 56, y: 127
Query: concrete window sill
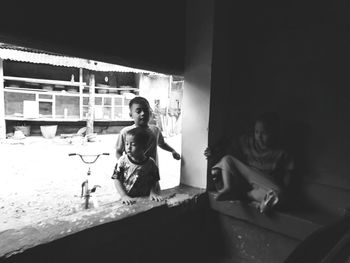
x: 295, y: 225
x: 14, y: 241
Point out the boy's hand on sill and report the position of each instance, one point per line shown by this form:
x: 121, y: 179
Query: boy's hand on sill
x: 155, y: 197
x: 176, y: 156
x: 127, y: 200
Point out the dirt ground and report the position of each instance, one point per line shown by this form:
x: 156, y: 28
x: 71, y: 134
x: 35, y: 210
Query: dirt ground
x: 40, y: 181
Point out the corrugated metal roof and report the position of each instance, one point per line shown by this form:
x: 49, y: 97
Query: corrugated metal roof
x: 23, y: 54
x: 32, y: 50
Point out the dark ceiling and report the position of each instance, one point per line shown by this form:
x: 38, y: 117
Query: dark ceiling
x: 144, y: 34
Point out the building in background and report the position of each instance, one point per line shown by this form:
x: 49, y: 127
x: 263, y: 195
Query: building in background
x: 38, y: 88
x: 164, y: 93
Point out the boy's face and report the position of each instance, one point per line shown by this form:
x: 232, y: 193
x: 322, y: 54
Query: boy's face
x: 262, y: 135
x: 140, y: 114
x: 132, y: 148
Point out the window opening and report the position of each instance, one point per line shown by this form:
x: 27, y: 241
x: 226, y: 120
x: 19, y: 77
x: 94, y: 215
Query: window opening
x: 53, y: 95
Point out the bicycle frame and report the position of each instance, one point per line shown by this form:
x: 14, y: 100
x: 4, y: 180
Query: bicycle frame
x: 86, y: 191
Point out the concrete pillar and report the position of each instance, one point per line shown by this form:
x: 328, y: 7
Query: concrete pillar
x: 197, y: 87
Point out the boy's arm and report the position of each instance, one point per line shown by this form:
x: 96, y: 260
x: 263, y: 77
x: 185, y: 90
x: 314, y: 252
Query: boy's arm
x: 168, y: 148
x: 154, y: 196
x: 120, y: 188
x: 118, y: 174
x: 123, y: 195
x: 155, y: 189
x: 119, y: 146
x: 119, y: 153
x: 162, y: 144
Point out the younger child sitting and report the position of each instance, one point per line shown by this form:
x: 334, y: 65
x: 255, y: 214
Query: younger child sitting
x: 135, y: 174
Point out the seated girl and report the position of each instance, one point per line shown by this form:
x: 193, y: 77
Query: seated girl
x: 256, y: 168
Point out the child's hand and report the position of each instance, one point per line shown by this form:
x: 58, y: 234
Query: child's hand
x: 176, y: 156
x: 127, y: 200
x: 207, y: 152
x: 155, y: 197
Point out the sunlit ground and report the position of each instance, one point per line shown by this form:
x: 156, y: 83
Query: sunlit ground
x: 39, y: 180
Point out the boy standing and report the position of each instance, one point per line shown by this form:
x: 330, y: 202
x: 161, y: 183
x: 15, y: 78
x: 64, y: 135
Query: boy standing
x: 140, y: 113
x: 135, y: 174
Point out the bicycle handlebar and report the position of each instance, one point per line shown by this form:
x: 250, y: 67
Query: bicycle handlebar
x: 88, y: 155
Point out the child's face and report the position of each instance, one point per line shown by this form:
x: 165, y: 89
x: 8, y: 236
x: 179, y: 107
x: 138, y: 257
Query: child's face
x: 262, y: 135
x: 140, y: 114
x: 133, y: 148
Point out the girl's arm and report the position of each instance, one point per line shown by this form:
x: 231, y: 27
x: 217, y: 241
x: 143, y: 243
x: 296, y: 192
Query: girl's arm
x: 288, y: 169
x: 287, y: 178
x: 216, y: 150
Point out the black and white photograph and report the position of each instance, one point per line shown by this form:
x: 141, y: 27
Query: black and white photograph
x: 193, y: 131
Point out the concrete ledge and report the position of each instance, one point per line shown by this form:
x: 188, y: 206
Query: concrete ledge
x: 15, y: 241
x: 297, y: 225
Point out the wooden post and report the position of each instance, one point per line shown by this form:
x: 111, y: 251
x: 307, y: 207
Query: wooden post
x: 91, y: 111
x: 112, y: 77
x: 81, y: 88
x: 2, y: 103
x: 168, y: 117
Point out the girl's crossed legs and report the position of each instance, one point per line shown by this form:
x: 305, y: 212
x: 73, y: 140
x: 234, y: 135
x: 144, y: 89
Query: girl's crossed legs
x: 237, y: 175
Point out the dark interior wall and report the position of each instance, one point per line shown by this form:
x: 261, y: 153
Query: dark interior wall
x: 293, y: 59
x: 144, y: 34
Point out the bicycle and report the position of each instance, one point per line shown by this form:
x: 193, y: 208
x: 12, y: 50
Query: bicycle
x: 87, y: 192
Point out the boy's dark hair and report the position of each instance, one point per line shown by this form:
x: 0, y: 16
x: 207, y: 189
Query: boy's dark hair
x: 140, y: 135
x: 271, y: 121
x: 139, y: 100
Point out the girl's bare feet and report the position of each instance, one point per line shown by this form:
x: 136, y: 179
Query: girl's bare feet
x: 215, y: 173
x: 270, y: 200
x: 217, y: 179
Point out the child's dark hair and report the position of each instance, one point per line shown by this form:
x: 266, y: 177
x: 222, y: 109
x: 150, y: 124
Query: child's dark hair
x: 139, y: 100
x: 271, y: 122
x: 140, y: 135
